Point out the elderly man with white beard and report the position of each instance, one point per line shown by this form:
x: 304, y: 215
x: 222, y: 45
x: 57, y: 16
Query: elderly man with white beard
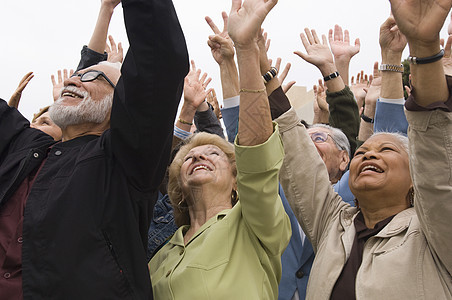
x: 74, y: 214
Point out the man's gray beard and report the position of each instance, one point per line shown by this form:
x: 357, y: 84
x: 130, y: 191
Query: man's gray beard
x: 87, y: 111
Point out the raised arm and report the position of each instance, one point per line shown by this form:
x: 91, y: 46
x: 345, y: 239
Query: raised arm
x: 222, y: 49
x: 420, y: 22
x: 342, y: 50
x: 146, y: 99
x: 430, y: 119
x: 95, y: 51
x: 255, y: 125
x: 366, y: 128
x: 389, y: 114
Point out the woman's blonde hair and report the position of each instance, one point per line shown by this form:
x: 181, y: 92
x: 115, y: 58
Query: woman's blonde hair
x: 177, y: 197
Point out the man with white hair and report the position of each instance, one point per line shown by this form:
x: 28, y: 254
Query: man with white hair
x: 74, y: 215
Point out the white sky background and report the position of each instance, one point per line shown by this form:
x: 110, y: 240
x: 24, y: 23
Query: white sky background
x: 47, y: 35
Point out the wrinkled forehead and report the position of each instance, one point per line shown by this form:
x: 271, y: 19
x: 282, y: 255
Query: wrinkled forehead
x: 318, y: 129
x: 380, y: 140
x: 204, y: 148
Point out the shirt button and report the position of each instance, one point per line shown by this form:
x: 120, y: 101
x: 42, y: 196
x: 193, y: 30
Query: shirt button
x: 20, y: 240
x: 36, y: 155
x: 7, y: 275
x: 58, y: 153
x: 181, y: 252
x: 299, y: 274
x: 168, y: 274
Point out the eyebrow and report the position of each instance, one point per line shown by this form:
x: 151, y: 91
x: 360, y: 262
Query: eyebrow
x: 381, y: 145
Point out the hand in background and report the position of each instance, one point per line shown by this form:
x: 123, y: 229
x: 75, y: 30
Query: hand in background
x: 220, y: 44
x: 321, y: 110
x: 358, y: 88
x: 15, y: 97
x: 195, y: 88
x: 373, y: 92
x: 57, y: 86
x: 212, y: 100
x: 282, y: 75
x: 115, y: 54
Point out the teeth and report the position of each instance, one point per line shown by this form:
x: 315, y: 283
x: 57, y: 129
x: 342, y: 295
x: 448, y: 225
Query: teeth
x: 200, y: 167
x: 69, y: 94
x: 373, y: 168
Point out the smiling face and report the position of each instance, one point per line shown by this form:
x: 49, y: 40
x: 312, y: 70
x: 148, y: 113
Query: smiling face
x: 85, y: 102
x: 207, y: 165
x: 380, y: 165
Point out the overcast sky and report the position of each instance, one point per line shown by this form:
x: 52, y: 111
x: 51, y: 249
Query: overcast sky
x: 44, y: 36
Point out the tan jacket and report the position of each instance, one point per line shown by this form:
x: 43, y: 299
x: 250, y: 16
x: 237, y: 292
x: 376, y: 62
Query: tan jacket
x: 411, y: 258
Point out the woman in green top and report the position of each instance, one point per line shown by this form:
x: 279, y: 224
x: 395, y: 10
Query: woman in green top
x: 228, y: 248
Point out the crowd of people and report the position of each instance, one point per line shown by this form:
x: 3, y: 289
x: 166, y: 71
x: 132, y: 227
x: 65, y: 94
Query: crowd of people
x: 112, y: 193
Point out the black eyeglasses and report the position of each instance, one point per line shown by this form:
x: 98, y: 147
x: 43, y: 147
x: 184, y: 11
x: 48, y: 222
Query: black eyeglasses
x: 321, y: 137
x: 93, y: 75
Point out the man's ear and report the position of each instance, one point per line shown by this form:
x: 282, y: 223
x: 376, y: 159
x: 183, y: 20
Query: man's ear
x: 345, y: 159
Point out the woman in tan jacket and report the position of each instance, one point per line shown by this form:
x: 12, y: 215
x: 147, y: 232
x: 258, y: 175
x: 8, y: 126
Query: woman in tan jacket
x: 386, y: 248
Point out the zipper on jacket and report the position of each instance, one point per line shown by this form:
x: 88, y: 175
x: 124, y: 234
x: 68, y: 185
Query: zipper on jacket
x: 112, y: 250
x: 115, y: 258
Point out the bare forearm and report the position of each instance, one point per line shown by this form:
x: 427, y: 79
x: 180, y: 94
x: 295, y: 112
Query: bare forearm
x: 99, y: 37
x: 391, y: 82
x: 229, y: 78
x: 343, y: 68
x: 428, y: 80
x: 255, y: 123
x: 335, y: 84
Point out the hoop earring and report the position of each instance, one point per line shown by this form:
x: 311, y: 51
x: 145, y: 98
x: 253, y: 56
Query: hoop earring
x: 180, y: 207
x: 234, y: 197
x: 356, y: 203
x: 411, y: 196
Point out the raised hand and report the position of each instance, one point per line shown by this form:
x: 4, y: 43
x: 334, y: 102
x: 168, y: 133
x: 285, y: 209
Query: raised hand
x: 318, y: 53
x: 342, y: 50
x: 420, y: 21
x: 282, y: 76
x: 15, y: 97
x: 373, y: 92
x: 391, y: 39
x: 359, y: 88
x: 115, y: 54
x: 340, y: 43
x: 220, y: 44
x: 321, y: 109
x: 57, y: 86
x: 195, y: 88
x: 246, y: 18
x: 212, y: 100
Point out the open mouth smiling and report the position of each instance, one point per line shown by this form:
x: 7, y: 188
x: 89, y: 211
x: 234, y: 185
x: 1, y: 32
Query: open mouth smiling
x: 200, y: 167
x: 70, y: 94
x: 370, y: 168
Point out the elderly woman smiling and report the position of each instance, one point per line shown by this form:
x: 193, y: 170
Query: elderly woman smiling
x: 228, y: 248
x: 397, y: 244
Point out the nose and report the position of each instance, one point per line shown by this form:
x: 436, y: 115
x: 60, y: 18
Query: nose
x: 198, y: 156
x: 74, y: 81
x: 370, y: 154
